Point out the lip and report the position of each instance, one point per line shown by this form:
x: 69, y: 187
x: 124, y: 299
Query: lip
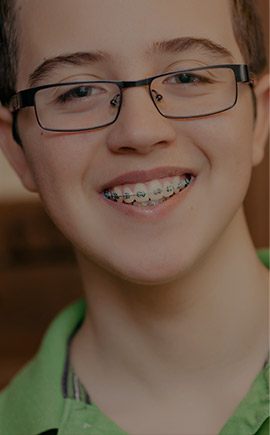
x: 153, y: 214
x: 143, y: 176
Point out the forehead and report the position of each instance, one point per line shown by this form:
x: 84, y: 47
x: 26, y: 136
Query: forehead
x: 123, y: 28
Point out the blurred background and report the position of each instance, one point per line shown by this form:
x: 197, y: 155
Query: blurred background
x: 38, y: 273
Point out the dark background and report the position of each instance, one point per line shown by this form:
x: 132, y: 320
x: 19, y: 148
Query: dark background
x: 38, y: 273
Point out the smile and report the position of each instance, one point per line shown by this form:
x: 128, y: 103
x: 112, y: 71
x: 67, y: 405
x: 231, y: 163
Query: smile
x: 149, y: 194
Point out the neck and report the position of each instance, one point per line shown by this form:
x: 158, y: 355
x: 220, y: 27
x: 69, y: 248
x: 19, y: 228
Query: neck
x: 212, y: 320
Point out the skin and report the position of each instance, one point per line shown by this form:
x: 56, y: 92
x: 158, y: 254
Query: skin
x: 177, y: 308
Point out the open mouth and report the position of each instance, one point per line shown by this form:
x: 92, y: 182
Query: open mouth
x: 149, y: 194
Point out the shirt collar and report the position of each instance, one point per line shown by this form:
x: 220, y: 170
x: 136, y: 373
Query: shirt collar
x: 37, y: 390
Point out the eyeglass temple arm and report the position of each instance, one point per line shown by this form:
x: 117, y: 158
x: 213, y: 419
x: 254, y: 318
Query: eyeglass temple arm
x: 15, y: 132
x: 22, y: 99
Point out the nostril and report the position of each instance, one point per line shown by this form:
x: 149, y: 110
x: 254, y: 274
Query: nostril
x: 126, y: 149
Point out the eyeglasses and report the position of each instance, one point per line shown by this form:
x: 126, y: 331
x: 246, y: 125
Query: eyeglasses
x: 88, y: 105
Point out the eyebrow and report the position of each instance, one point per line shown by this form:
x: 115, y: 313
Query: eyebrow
x: 180, y: 45
x: 49, y: 65
x: 172, y: 46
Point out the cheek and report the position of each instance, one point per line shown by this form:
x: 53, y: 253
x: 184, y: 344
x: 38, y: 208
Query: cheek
x: 60, y: 163
x: 226, y: 142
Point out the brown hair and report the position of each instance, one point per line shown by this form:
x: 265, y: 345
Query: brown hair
x: 248, y: 33
x: 246, y: 26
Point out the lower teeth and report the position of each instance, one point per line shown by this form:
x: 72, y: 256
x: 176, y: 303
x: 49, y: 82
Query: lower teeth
x: 148, y: 203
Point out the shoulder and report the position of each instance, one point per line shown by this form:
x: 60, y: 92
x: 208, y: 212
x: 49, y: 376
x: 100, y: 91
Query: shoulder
x: 252, y: 414
x: 264, y: 256
x: 34, y: 397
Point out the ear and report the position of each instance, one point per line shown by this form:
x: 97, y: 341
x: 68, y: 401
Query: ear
x: 261, y: 126
x: 13, y: 152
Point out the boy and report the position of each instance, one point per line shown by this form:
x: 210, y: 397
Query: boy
x: 139, y: 129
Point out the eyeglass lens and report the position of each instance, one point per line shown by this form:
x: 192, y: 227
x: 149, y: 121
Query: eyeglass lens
x: 85, y: 105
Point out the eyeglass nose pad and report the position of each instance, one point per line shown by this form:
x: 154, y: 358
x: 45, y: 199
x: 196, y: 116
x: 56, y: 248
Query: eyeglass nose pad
x: 157, y: 97
x: 115, y: 102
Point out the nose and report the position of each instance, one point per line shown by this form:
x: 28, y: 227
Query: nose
x: 140, y: 127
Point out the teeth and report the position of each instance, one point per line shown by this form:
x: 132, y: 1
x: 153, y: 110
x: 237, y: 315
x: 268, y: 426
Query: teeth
x: 148, y: 203
x: 118, y: 194
x: 155, y: 190
x: 150, y: 193
x: 141, y: 194
x: 128, y: 196
x: 178, y: 184
x: 168, y: 189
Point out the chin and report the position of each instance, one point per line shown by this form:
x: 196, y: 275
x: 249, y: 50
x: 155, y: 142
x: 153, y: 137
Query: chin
x: 151, y: 271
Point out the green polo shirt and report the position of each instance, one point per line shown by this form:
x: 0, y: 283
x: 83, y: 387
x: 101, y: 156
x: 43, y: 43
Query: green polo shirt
x: 34, y: 403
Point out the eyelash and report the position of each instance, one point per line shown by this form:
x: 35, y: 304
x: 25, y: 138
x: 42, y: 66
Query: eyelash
x: 67, y: 96
x: 193, y: 76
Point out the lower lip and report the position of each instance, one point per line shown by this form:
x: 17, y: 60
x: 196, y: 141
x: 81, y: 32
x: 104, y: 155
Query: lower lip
x: 152, y: 213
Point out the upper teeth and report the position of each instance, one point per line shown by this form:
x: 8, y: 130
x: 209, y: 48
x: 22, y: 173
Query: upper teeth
x: 153, y: 190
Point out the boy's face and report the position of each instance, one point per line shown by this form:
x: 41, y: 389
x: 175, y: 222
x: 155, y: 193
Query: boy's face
x: 69, y: 169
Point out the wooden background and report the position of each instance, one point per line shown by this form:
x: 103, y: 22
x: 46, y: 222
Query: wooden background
x: 38, y: 274
x: 257, y: 201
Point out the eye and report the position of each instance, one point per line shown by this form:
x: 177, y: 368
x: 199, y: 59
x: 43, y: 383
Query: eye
x: 78, y: 93
x: 186, y: 78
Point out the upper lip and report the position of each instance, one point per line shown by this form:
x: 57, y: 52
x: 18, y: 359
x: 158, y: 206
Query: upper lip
x: 146, y: 175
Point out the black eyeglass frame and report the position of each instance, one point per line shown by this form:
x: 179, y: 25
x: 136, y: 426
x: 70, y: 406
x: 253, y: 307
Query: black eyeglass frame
x: 26, y: 97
